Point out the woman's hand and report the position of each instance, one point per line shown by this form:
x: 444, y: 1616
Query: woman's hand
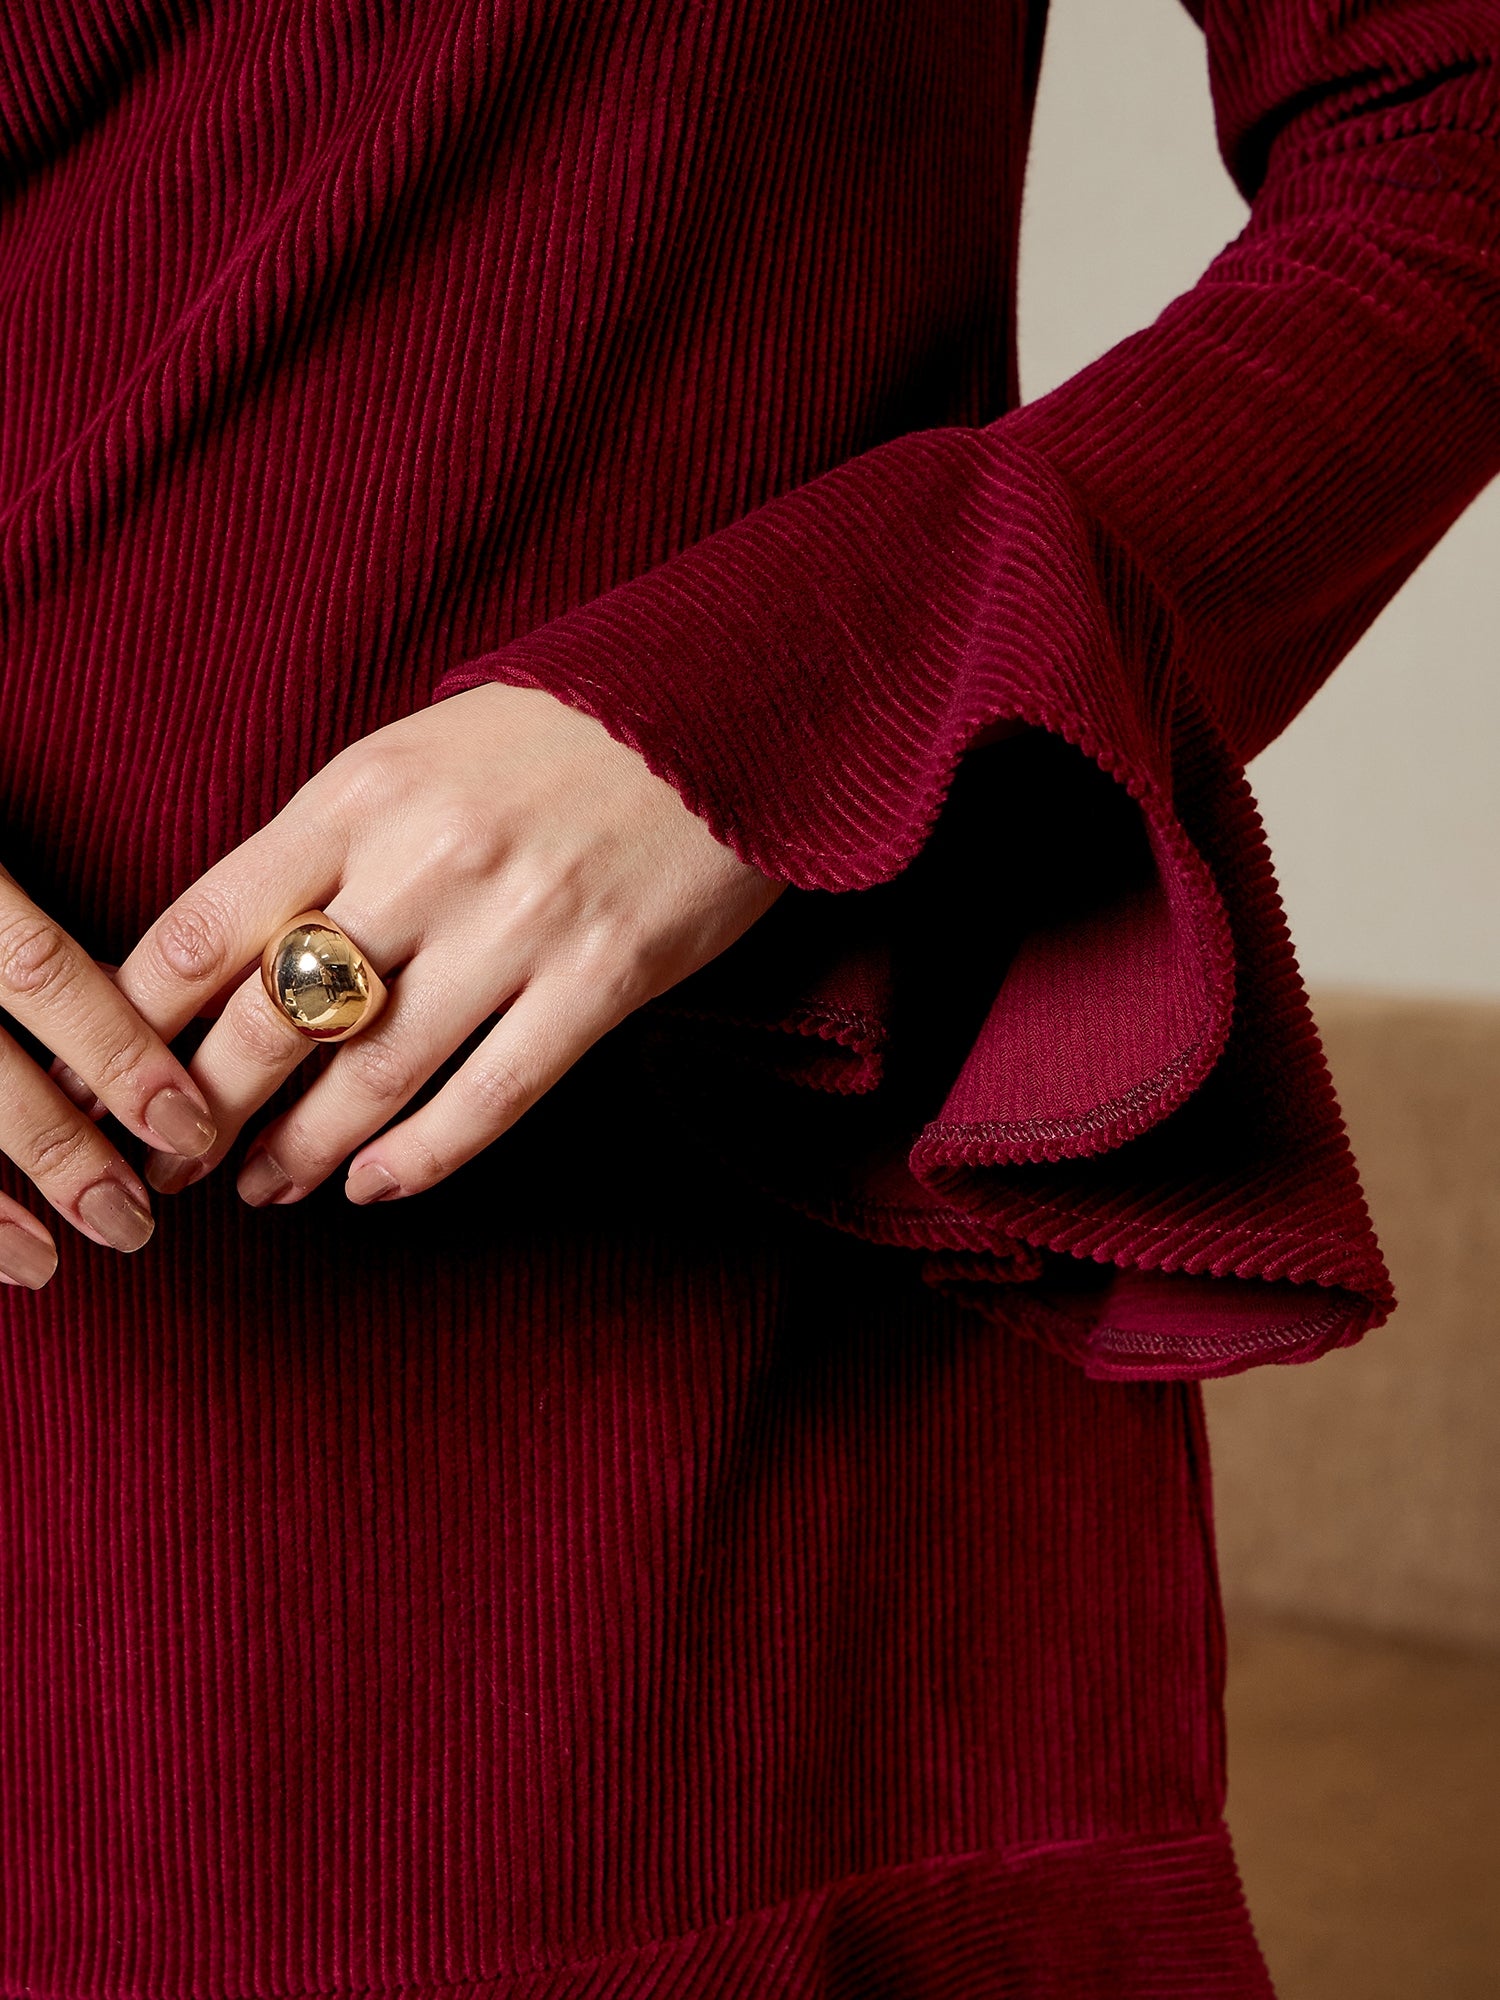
x: 52, y: 987
x: 496, y: 850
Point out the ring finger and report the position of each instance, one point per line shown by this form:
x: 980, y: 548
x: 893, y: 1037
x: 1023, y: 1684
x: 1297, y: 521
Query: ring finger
x: 370, y: 1079
x: 253, y: 1048
x: 550, y: 1024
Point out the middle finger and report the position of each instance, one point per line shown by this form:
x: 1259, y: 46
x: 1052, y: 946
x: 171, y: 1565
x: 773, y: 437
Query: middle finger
x: 369, y: 1080
x: 252, y: 1049
x: 66, y: 1155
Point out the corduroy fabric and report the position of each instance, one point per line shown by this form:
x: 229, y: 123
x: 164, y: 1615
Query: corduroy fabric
x: 603, y: 1575
x: 592, y: 1588
x: 1158, y: 563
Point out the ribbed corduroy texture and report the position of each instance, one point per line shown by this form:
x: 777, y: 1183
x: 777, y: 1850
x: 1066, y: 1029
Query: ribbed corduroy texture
x: 628, y: 1570
x: 595, y: 1578
x: 1158, y: 563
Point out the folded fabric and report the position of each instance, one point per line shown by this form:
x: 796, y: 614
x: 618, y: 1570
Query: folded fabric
x: 1042, y: 991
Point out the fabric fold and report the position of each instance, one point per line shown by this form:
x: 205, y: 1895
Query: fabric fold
x: 1037, y: 985
x: 1068, y: 1047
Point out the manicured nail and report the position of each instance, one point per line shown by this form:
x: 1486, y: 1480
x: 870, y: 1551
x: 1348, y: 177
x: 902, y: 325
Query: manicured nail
x: 181, y: 1125
x: 261, y: 1180
x: 25, y: 1259
x: 119, y: 1218
x: 169, y: 1173
x: 371, y: 1183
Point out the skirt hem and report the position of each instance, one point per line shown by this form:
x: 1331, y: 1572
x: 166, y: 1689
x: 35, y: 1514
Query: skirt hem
x: 1138, y: 1917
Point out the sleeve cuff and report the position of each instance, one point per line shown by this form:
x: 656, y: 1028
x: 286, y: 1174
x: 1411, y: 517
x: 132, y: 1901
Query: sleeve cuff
x: 1140, y: 1099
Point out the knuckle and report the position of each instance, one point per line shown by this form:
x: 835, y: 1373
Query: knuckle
x: 192, y: 940
x: 459, y: 838
x: 260, y: 1038
x: 451, y: 831
x: 550, y: 899
x: 613, y: 967
x: 120, y: 1060
x: 498, y: 1089
x: 378, y: 1071
x: 306, y: 1157
x: 455, y: 833
x: 368, y: 777
x: 36, y: 954
x: 423, y: 1165
x: 57, y: 1147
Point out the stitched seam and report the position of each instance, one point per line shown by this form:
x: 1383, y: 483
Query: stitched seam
x: 1118, y: 1340
x: 1108, y: 1113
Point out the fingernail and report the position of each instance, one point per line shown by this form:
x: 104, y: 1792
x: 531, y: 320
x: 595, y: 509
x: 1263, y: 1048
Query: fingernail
x: 371, y: 1183
x: 25, y: 1259
x: 261, y: 1180
x: 119, y: 1218
x: 169, y: 1173
x: 180, y: 1124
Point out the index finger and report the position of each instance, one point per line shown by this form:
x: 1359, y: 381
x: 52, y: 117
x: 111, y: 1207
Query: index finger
x: 52, y: 987
x: 215, y: 932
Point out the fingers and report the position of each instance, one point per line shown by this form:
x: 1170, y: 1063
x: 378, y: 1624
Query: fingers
x: 369, y: 1080
x: 252, y: 1049
x: 28, y: 1256
x: 543, y: 1033
x: 245, y: 1058
x: 67, y: 1157
x: 54, y: 989
x: 219, y: 927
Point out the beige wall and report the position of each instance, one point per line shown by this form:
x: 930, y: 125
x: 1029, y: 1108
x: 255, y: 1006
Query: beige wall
x: 1382, y: 800
x: 1364, y: 1489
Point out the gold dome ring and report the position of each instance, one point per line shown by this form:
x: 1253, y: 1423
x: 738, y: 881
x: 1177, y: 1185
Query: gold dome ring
x: 319, y: 980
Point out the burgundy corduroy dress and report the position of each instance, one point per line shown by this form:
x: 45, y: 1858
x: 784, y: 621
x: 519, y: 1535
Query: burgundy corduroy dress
x: 748, y: 1533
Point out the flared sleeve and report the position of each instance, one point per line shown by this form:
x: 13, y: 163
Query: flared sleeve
x: 1121, y: 1131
